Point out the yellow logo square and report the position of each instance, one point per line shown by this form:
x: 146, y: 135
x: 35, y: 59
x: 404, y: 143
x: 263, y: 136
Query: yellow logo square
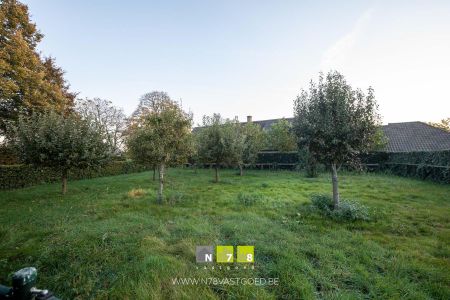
x: 224, y: 254
x: 245, y: 254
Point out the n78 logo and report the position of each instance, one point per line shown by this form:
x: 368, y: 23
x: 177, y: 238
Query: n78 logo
x: 225, y: 254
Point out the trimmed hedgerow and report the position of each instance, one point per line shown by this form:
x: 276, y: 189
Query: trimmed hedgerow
x: 18, y: 176
x: 434, y: 158
x: 431, y: 165
x: 423, y: 165
x: 278, y: 157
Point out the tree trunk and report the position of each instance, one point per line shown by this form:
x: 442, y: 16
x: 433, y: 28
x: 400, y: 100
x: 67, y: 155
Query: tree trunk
x: 64, y: 182
x: 154, y: 173
x: 334, y: 178
x: 217, y: 173
x: 241, y: 171
x: 161, y: 183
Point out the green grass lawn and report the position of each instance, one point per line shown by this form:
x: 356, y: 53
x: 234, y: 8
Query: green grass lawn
x: 99, y: 242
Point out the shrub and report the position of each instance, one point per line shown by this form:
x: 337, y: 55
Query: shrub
x: 348, y: 210
x: 322, y: 202
x: 249, y: 199
x: 351, y: 211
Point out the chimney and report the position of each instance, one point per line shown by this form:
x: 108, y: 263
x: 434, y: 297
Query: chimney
x: 249, y: 119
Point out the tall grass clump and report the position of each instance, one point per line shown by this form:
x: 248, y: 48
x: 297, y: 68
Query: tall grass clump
x: 348, y: 210
x: 175, y: 197
x: 249, y: 199
x: 136, y: 193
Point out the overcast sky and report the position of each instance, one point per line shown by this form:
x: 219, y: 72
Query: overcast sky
x: 252, y: 57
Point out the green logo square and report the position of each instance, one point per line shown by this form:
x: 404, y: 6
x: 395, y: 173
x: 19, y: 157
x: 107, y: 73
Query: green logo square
x: 245, y: 254
x: 224, y: 254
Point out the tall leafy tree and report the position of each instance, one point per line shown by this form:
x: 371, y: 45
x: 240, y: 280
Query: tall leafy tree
x: 60, y: 142
x: 216, y: 142
x: 254, y: 142
x: 154, y: 101
x: 110, y: 119
x: 141, y: 148
x: 443, y: 124
x: 60, y: 97
x: 247, y: 141
x: 151, y: 102
x: 27, y: 82
x: 161, y: 136
x: 281, y: 137
x: 336, y: 122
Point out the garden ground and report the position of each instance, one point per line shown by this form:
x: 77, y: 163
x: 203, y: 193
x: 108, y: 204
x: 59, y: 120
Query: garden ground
x: 105, y: 241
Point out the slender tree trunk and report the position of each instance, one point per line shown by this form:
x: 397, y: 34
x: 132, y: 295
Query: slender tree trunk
x: 334, y: 179
x: 64, y: 182
x: 161, y: 183
x: 217, y: 172
x: 154, y: 173
x: 241, y: 171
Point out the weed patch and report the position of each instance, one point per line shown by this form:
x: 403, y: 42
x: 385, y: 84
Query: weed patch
x: 249, y: 199
x: 136, y: 193
x: 348, y: 210
x: 175, y: 197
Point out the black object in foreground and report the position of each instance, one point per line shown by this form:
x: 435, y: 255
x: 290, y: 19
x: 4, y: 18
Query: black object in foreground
x: 23, y: 287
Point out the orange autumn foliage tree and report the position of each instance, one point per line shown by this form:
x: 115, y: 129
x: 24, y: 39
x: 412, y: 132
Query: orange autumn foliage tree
x: 28, y: 82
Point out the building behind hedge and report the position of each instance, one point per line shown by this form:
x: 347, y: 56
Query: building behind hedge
x: 401, y: 137
x: 413, y: 149
x: 415, y: 137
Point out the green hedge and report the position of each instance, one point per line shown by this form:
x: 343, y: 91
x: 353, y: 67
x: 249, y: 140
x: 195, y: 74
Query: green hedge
x: 438, y: 158
x: 374, y: 157
x: 424, y: 165
x: 275, y: 157
x: 425, y: 172
x: 18, y: 176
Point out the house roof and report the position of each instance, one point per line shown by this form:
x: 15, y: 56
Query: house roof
x: 265, y: 124
x: 404, y: 136
x: 415, y: 136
